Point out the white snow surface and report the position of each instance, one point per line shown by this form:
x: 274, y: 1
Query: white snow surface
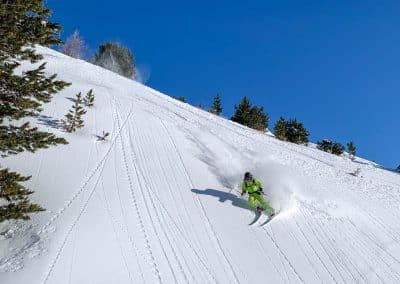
x: 158, y: 201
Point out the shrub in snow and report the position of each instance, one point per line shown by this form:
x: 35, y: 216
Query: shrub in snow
x: 330, y: 147
x: 216, y: 107
x: 356, y: 172
x: 21, y: 95
x: 116, y: 58
x: 74, y: 46
x: 251, y: 116
x: 74, y: 119
x: 103, y: 136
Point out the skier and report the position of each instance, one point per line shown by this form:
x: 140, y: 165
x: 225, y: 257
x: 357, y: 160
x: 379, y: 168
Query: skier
x: 255, y: 189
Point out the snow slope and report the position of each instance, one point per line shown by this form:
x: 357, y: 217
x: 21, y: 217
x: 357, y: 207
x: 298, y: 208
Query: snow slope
x: 158, y: 201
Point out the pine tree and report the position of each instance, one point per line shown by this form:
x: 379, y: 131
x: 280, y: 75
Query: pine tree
x: 330, y: 147
x: 116, y: 58
x: 351, y: 148
x: 242, y: 112
x: 74, y: 119
x: 74, y: 46
x: 216, y: 107
x: 181, y: 98
x: 89, y: 98
x: 258, y: 119
x: 23, y: 24
x: 251, y: 116
x: 280, y: 129
x: 16, y: 196
x: 296, y: 132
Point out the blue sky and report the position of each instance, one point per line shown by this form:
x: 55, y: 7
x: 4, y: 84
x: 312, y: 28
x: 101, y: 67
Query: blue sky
x: 334, y: 65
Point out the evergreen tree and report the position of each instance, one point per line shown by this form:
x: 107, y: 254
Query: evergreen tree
x: 330, y: 147
x: 398, y: 169
x: 296, y: 132
x: 89, y: 98
x: 280, y: 129
x: 242, y: 112
x: 216, y: 107
x: 258, y: 119
x: 351, y: 148
x: 74, y: 119
x: 182, y: 99
x: 116, y: 58
x: 251, y: 116
x: 74, y: 46
x: 23, y: 24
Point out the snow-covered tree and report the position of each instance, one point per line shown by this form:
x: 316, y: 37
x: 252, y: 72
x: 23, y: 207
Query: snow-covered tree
x: 216, y: 107
x: 23, y: 24
x: 116, y: 58
x: 74, y: 119
x: 74, y: 46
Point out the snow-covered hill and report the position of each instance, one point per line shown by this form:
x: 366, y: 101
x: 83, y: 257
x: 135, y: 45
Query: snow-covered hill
x: 158, y: 201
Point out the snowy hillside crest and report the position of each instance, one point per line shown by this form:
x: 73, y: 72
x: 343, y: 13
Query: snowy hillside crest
x: 158, y: 201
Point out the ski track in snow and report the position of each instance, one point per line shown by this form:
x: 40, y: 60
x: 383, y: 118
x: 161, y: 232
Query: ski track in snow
x: 157, y: 227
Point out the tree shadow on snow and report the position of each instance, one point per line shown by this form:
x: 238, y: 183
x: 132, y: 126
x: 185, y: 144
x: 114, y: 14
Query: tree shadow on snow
x: 50, y: 121
x: 224, y: 196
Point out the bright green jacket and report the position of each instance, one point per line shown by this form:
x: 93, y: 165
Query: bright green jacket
x: 251, y: 186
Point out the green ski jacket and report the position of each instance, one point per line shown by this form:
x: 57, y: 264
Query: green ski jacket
x: 251, y: 186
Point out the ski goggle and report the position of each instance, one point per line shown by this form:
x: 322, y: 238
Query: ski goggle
x: 248, y: 178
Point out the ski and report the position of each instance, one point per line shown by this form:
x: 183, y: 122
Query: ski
x: 256, y: 217
x: 269, y: 219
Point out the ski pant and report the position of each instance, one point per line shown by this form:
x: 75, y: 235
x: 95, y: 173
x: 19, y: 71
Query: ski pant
x: 256, y: 198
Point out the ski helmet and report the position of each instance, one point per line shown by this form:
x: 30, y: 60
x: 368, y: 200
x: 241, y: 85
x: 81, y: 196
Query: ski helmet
x: 248, y: 176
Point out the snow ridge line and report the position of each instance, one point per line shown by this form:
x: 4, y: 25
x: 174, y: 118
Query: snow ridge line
x: 235, y: 130
x: 60, y: 249
x: 153, y: 263
x: 201, y: 205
